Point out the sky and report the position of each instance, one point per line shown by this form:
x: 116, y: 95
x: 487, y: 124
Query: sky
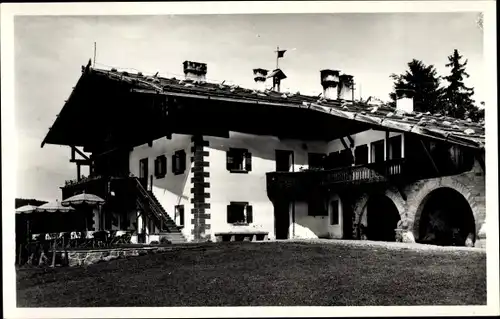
x: 49, y: 53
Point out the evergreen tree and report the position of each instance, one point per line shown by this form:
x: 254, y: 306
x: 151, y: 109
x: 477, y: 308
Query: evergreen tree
x: 458, y: 97
x: 421, y: 83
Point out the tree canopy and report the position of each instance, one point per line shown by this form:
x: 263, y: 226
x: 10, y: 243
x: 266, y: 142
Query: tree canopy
x: 422, y: 83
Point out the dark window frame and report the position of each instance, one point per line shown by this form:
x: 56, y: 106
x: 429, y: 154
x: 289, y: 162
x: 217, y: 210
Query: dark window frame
x: 361, y: 153
x: 399, y: 141
x: 238, y: 160
x: 179, y: 211
x: 247, y: 214
x: 373, y: 145
x: 317, y: 208
x: 160, y: 166
x: 312, y: 158
x: 334, y: 218
x: 179, y: 162
x: 277, y: 155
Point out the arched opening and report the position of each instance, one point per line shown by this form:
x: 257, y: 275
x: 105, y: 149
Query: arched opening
x: 382, y: 218
x: 446, y: 219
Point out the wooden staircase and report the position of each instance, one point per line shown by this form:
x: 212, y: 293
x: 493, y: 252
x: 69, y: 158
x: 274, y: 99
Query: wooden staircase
x: 148, y: 202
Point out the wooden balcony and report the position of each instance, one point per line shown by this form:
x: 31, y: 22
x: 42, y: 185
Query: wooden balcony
x: 300, y: 184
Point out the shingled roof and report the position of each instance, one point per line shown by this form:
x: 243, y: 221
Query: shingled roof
x: 464, y: 132
x: 436, y: 126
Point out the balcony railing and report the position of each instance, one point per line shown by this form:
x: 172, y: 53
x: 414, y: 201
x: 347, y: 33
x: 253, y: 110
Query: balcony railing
x: 299, y: 183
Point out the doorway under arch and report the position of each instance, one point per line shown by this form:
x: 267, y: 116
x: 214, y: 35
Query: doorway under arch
x: 446, y: 219
x: 382, y: 217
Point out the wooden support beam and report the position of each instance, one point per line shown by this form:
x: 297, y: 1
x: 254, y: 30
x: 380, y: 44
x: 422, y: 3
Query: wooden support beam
x: 344, y: 143
x: 78, y: 172
x: 429, y: 156
x: 81, y: 161
x: 75, y: 149
x: 73, y: 153
x: 351, y: 141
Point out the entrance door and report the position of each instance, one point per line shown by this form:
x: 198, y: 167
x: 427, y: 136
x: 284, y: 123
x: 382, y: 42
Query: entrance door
x: 281, y: 219
x: 144, y: 172
x: 284, y: 161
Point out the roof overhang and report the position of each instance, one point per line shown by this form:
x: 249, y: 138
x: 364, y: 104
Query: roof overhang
x: 109, y: 109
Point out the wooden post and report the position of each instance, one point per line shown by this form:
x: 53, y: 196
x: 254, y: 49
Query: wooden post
x: 54, y: 253
x: 78, y: 173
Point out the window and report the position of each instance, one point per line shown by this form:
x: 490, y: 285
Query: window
x: 160, y: 166
x: 238, y: 160
x: 395, y: 147
x: 316, y: 160
x: 179, y: 212
x: 346, y: 158
x: 332, y: 160
x: 378, y: 151
x: 284, y: 160
x: 317, y: 207
x: 179, y: 162
x: 239, y: 213
x: 334, y: 215
x: 361, y: 154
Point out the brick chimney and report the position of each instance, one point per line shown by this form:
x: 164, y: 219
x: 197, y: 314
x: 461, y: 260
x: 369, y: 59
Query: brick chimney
x: 330, y: 82
x: 260, y: 79
x: 346, y: 87
x: 195, y: 71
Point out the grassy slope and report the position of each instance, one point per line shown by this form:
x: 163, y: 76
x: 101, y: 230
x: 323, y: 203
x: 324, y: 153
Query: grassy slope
x: 268, y: 274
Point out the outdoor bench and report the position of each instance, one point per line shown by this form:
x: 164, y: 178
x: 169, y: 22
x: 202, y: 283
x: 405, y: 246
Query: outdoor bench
x: 241, y: 236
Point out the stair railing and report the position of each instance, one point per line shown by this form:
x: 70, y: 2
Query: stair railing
x: 153, y: 207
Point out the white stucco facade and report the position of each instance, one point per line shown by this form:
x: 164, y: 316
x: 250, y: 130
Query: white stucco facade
x: 226, y: 186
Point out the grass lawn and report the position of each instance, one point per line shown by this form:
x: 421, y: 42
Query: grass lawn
x: 264, y: 274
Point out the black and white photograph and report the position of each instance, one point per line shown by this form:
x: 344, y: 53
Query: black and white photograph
x: 185, y: 155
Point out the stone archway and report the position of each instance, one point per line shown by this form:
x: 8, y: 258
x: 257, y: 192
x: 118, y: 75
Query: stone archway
x: 445, y: 218
x: 420, y: 199
x: 391, y: 205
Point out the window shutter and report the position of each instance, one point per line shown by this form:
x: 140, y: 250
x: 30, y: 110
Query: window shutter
x: 229, y: 160
x: 183, y: 161
x: 181, y: 215
x: 229, y: 215
x: 156, y: 167
x: 249, y: 214
x: 174, y: 166
x: 248, y: 161
x: 164, y: 165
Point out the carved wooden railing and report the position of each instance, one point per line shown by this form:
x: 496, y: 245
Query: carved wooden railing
x: 298, y: 183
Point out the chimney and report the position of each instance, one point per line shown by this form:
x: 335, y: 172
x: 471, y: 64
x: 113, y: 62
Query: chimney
x: 346, y: 87
x: 195, y: 71
x: 330, y: 82
x: 404, y: 101
x: 260, y: 79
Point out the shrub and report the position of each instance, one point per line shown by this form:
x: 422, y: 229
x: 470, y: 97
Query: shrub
x: 164, y: 240
x: 154, y: 242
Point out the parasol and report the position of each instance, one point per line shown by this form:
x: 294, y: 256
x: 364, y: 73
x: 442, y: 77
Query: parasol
x: 89, y: 199
x: 54, y: 207
x: 26, y: 209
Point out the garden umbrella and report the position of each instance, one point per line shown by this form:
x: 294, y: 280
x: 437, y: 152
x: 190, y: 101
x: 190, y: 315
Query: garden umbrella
x: 89, y: 199
x: 84, y: 199
x: 26, y: 209
x: 54, y: 207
